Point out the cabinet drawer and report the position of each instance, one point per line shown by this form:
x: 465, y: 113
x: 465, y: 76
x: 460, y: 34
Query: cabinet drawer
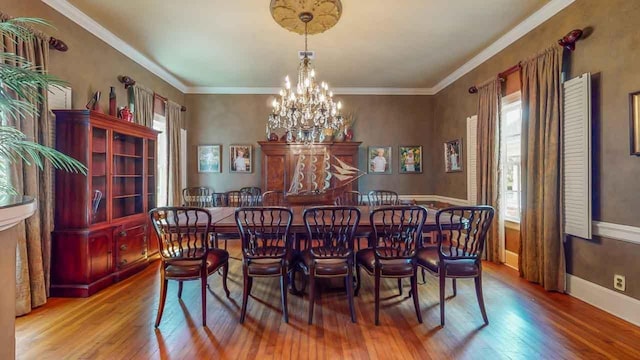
x: 130, y: 245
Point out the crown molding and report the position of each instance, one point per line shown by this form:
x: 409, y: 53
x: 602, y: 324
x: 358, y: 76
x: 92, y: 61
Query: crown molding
x: 543, y: 14
x: 82, y: 19
x: 337, y: 91
x: 76, y: 15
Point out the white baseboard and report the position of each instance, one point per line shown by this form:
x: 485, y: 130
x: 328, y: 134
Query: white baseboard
x: 511, y: 259
x: 613, y: 302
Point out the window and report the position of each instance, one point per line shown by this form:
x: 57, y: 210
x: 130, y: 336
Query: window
x: 160, y: 124
x: 511, y: 161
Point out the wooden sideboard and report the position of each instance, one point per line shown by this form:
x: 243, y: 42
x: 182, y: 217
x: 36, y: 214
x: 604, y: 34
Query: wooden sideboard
x: 101, y: 231
x: 279, y: 161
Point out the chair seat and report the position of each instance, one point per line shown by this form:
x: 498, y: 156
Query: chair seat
x: 272, y: 266
x: 428, y: 257
x: 395, y: 267
x: 188, y: 269
x: 325, y: 267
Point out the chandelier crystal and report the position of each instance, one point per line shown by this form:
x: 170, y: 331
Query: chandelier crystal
x: 306, y: 112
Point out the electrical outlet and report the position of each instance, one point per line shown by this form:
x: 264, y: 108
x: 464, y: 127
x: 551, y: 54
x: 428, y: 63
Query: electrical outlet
x: 619, y: 282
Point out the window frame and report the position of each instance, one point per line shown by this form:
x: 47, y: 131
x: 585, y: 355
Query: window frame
x: 508, y: 103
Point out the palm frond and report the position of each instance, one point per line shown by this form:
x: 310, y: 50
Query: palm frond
x: 19, y: 27
x: 14, y: 145
x: 26, y: 80
x: 22, y: 85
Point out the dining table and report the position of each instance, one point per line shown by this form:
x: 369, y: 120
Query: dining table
x: 223, y: 221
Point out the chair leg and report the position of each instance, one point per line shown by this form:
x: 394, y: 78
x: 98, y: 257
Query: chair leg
x: 358, y: 282
x: 349, y: 284
x: 284, y: 289
x: 203, y: 278
x: 414, y: 291
x: 179, y: 289
x: 454, y: 287
x: 400, y: 286
x: 377, y: 295
x: 225, y: 271
x: 163, y: 297
x: 442, y: 289
x: 246, y: 289
x: 312, y: 293
x: 478, y: 281
x: 424, y: 279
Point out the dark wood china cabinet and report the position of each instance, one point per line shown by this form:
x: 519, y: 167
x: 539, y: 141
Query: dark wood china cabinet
x: 101, y: 225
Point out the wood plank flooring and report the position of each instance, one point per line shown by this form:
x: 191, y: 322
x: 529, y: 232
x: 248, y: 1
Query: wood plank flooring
x: 525, y: 322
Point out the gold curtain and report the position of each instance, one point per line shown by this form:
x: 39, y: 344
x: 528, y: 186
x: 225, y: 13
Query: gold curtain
x: 33, y: 252
x: 541, y: 254
x: 174, y: 124
x: 142, y: 106
x: 488, y: 176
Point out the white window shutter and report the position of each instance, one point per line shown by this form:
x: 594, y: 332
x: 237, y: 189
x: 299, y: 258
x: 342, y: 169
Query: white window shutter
x: 183, y: 158
x: 576, y: 148
x: 472, y: 150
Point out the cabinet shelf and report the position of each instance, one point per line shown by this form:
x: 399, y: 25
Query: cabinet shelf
x: 126, y: 196
x: 127, y: 176
x: 128, y: 156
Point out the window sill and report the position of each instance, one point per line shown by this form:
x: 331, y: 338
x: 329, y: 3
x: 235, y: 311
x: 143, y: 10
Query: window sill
x: 512, y: 223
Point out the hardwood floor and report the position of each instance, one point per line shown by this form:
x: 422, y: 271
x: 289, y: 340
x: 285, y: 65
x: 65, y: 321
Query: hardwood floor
x: 525, y: 322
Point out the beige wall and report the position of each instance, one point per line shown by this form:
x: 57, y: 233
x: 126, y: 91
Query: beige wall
x: 241, y: 119
x: 610, y: 54
x: 90, y: 64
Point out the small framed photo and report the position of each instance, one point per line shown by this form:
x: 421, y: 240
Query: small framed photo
x: 240, y: 159
x: 453, y: 156
x: 634, y: 112
x: 379, y: 158
x: 410, y: 159
x: 209, y: 158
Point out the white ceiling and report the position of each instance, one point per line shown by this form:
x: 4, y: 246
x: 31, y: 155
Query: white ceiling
x: 236, y: 44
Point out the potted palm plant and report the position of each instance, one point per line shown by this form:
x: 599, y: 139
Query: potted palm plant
x: 21, y: 87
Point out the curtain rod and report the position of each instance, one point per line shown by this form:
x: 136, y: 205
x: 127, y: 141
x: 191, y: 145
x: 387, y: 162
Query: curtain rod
x: 128, y: 81
x: 568, y: 42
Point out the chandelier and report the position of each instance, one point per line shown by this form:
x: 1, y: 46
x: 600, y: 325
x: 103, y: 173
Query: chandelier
x: 307, y: 112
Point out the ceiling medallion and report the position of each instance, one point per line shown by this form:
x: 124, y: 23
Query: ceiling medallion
x: 326, y: 14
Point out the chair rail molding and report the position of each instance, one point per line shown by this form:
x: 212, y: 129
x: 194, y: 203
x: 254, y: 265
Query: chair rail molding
x: 616, y: 231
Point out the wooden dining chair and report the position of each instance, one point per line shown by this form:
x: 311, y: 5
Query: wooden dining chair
x: 198, y: 196
x: 218, y: 199
x: 183, y: 237
x: 273, y: 198
x: 255, y: 192
x: 383, y: 198
x: 462, y: 232
x: 329, y: 248
x: 397, y: 232
x: 266, y: 249
x: 237, y: 198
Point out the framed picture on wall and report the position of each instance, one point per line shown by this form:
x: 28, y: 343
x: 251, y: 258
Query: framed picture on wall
x: 634, y: 109
x: 379, y: 159
x: 209, y: 158
x: 410, y: 159
x: 453, y: 156
x: 240, y: 159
